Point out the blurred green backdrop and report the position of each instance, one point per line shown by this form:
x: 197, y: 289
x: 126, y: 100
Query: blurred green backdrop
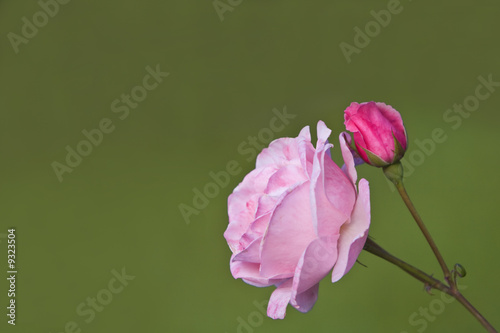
x: 66, y: 67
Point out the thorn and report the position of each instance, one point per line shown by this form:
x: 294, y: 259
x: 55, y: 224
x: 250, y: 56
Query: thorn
x: 428, y: 289
x: 359, y: 262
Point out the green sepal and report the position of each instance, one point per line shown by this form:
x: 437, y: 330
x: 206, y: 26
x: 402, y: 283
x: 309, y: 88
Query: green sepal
x: 399, y: 151
x: 375, y: 160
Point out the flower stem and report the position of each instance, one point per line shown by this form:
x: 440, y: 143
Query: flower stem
x: 374, y: 248
x: 431, y: 282
x: 474, y: 312
x: 395, y: 174
x: 404, y: 195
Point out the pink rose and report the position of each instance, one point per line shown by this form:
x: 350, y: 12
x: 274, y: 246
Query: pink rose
x: 375, y: 127
x: 295, y: 217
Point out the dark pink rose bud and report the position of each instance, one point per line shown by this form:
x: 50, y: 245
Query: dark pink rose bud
x: 379, y: 133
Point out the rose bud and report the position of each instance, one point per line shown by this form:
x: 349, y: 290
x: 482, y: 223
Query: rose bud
x: 379, y: 133
x: 297, y: 217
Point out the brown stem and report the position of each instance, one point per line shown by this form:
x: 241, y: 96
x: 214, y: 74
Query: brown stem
x: 474, y: 312
x: 374, y: 248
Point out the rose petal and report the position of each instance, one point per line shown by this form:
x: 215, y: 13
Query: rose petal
x: 339, y: 189
x: 349, y: 112
x: 332, y: 193
x: 242, y: 205
x: 276, y: 309
x: 396, y: 121
x: 323, y: 134
x: 376, y: 130
x: 306, y: 150
x: 251, y: 253
x: 249, y: 272
x: 349, y: 166
x: 256, y: 230
x: 266, y: 204
x: 286, y: 177
x: 279, y: 153
x: 305, y: 301
x: 316, y: 262
x: 290, y: 231
x: 281, y: 297
x: 353, y: 234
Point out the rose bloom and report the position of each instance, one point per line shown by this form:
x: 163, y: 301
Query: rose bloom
x: 375, y: 126
x: 295, y: 217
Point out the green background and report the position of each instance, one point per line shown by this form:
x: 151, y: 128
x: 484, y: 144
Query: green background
x: 120, y: 207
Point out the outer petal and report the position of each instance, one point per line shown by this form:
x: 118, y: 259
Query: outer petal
x: 279, y: 153
x: 279, y: 300
x: 323, y: 134
x: 290, y: 231
x: 266, y: 204
x: 349, y: 166
x: 285, y: 178
x: 249, y: 272
x: 349, y: 112
x: 289, y: 150
x: 353, y: 234
x: 242, y: 205
x: 315, y: 263
x: 251, y: 253
x: 396, y: 121
x: 256, y: 230
x: 332, y: 193
x: 351, y: 126
x: 305, y: 301
x: 306, y: 151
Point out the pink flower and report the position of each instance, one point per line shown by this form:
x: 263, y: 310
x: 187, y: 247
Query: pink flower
x: 376, y: 126
x: 295, y: 217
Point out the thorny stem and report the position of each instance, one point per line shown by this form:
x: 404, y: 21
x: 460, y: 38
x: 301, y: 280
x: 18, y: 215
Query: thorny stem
x: 429, y: 281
